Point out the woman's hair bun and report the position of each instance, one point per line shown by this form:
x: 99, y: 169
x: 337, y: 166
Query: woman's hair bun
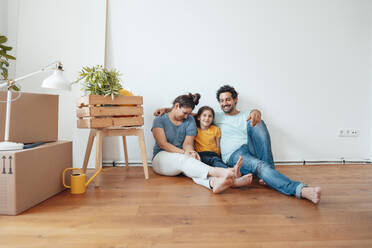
x: 188, y: 100
x: 195, y: 98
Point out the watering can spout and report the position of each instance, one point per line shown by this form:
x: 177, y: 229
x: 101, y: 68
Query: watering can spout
x: 94, y: 176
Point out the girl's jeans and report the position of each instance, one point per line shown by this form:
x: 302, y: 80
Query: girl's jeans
x: 212, y: 159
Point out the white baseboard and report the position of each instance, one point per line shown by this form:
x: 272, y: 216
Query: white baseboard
x: 282, y: 162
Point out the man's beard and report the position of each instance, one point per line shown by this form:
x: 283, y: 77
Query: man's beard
x: 229, y: 110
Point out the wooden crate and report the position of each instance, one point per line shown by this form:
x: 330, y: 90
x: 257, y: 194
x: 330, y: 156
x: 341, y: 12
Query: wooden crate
x: 101, y: 112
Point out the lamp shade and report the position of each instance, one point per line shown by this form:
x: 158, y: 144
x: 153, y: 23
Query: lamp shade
x: 56, y: 81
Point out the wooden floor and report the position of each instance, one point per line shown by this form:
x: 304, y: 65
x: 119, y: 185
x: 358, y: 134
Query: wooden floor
x: 128, y: 211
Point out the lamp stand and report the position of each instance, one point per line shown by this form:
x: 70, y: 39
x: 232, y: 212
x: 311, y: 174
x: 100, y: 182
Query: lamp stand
x: 6, y: 145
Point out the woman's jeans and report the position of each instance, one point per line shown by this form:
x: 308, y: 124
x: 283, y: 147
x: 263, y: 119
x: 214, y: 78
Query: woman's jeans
x: 258, y: 160
x: 212, y: 159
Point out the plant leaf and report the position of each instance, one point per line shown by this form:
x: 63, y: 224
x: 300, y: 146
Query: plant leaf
x: 15, y: 88
x: 9, y: 57
x: 3, y: 39
x: 6, y: 48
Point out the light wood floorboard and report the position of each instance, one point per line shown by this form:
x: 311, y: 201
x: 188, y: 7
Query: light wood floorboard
x: 128, y: 211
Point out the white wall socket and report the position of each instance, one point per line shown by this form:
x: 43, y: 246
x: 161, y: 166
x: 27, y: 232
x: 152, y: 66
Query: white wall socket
x: 348, y: 132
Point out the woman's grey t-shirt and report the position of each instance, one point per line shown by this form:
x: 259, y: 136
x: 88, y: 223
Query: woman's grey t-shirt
x: 175, y: 134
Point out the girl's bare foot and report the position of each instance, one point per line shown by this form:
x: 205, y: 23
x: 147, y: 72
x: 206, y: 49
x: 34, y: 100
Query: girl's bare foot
x: 262, y: 182
x: 312, y: 194
x: 219, y: 184
x: 243, y: 181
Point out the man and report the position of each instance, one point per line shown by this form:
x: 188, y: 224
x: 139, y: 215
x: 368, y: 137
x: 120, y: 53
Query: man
x: 245, y: 134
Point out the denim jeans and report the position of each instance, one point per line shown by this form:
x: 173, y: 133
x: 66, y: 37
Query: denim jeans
x: 258, y: 160
x: 212, y: 159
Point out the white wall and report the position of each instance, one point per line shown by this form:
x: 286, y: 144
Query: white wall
x: 12, y: 24
x: 70, y: 31
x: 305, y: 64
x: 3, y: 17
x: 370, y: 86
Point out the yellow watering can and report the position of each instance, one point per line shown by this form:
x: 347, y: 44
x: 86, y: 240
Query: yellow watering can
x: 78, y: 184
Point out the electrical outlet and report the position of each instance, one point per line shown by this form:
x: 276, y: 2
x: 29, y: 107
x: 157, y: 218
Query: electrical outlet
x: 348, y: 132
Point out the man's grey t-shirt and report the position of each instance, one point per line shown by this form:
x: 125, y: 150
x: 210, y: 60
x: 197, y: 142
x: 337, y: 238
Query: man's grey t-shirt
x: 175, y: 134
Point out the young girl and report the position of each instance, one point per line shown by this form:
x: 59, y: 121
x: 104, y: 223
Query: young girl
x: 207, y: 143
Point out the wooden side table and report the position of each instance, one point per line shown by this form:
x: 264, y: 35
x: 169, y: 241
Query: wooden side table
x: 121, y: 116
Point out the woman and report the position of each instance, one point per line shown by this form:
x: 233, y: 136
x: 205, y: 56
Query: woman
x: 174, y: 152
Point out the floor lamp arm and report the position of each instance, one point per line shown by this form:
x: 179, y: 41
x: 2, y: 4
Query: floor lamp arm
x: 51, y: 65
x: 28, y: 75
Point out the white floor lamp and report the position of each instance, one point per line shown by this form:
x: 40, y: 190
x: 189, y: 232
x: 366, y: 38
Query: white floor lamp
x: 55, y: 81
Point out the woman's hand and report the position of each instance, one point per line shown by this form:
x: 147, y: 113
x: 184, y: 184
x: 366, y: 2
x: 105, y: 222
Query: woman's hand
x: 188, y: 147
x: 193, y: 154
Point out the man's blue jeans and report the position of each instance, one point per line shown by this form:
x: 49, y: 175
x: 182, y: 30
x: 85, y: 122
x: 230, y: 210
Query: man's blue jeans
x: 258, y: 160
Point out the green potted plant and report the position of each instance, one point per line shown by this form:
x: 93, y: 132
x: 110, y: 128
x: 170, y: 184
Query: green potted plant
x: 97, y: 80
x: 4, y: 60
x: 96, y: 110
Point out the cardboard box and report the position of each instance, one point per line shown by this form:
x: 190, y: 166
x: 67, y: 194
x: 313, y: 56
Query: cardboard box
x: 28, y: 177
x: 33, y: 117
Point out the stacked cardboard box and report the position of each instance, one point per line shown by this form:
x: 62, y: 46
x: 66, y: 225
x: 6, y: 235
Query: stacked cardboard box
x: 34, y: 117
x: 30, y: 176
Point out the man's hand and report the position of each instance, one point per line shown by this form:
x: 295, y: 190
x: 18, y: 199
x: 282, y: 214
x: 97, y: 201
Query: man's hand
x: 254, y: 117
x: 161, y: 111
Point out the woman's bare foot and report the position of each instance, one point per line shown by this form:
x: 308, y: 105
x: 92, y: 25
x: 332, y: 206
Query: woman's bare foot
x: 243, y: 181
x: 219, y: 184
x: 312, y: 194
x: 220, y: 172
x: 262, y: 182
